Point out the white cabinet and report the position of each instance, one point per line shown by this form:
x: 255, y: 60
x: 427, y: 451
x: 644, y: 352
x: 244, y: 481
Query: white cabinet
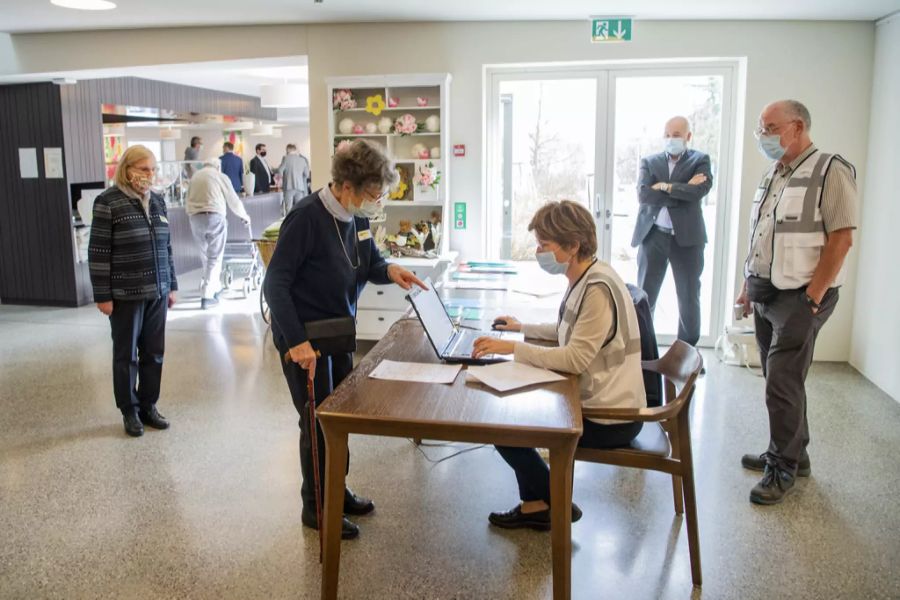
x: 380, y: 306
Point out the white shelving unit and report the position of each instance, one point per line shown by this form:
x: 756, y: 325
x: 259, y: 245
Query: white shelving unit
x: 381, y: 306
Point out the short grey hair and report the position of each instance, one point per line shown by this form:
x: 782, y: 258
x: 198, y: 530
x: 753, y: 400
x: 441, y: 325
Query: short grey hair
x: 363, y: 164
x: 798, y: 110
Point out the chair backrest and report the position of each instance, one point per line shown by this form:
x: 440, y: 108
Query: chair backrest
x: 649, y: 348
x: 680, y: 366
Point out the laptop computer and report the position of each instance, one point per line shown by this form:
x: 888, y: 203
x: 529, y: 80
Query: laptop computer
x: 450, y: 342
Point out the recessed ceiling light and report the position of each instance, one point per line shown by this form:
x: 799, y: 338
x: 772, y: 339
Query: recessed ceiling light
x: 85, y: 4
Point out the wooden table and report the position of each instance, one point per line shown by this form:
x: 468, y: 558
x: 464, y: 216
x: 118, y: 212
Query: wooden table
x: 546, y: 416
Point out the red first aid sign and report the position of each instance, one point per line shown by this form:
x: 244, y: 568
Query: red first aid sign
x: 459, y: 149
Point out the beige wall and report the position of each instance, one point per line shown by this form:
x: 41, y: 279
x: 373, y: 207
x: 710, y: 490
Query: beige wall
x: 828, y: 65
x: 876, y: 324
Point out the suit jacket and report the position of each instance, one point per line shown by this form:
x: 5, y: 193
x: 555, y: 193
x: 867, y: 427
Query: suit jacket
x: 294, y: 171
x: 683, y: 202
x: 233, y: 167
x: 264, y: 178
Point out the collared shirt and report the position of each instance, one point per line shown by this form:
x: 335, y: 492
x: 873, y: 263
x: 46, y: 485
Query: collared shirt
x: 211, y: 191
x: 663, y: 218
x: 333, y: 206
x: 144, y: 199
x: 838, y: 209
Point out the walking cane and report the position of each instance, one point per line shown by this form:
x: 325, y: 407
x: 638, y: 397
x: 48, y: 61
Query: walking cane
x: 310, y: 390
x: 314, y: 435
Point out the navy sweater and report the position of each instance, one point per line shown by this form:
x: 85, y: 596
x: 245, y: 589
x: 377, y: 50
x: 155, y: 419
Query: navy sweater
x: 130, y: 253
x: 309, y: 277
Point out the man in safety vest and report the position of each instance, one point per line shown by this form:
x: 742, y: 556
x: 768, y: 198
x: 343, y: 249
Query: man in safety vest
x: 801, y: 228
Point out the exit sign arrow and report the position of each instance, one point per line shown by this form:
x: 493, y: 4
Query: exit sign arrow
x: 610, y: 29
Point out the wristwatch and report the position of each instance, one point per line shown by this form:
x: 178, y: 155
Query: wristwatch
x: 810, y: 301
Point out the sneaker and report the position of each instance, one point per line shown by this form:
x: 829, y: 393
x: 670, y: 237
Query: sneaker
x: 775, y: 485
x: 209, y: 302
x: 758, y: 463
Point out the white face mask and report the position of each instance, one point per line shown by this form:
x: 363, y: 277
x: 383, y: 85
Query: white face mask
x: 140, y: 182
x: 674, y: 146
x: 368, y: 209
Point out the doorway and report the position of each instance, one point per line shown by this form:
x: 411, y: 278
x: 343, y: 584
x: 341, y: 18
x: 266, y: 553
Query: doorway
x: 580, y: 133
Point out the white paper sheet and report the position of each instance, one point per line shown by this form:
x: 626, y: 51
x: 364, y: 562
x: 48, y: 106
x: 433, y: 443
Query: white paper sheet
x: 28, y: 163
x: 510, y: 375
x: 410, y: 371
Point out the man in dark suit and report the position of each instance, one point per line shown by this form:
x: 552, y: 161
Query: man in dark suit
x: 232, y: 166
x: 670, y: 225
x: 260, y: 168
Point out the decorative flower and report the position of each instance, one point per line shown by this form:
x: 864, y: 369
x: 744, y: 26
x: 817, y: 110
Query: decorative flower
x: 343, y: 100
x: 393, y: 102
x: 406, y: 125
x: 427, y: 176
x: 342, y: 145
x: 424, y: 153
x: 358, y: 129
x: 399, y: 191
x: 421, y: 101
x: 375, y: 104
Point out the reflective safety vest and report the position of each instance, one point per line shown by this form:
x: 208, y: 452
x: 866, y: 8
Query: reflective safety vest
x: 626, y: 339
x: 799, y: 234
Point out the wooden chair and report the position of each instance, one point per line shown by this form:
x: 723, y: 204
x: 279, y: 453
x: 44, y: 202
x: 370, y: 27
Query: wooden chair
x: 664, y: 444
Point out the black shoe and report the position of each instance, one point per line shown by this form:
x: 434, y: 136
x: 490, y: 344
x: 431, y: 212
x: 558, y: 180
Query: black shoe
x: 209, y: 302
x: 758, y: 463
x: 152, y: 418
x: 516, y: 519
x: 133, y: 426
x: 773, y: 487
x: 356, y: 505
x: 349, y: 530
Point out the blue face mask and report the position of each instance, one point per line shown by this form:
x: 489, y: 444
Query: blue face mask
x: 770, y: 146
x: 675, y: 146
x: 547, y: 261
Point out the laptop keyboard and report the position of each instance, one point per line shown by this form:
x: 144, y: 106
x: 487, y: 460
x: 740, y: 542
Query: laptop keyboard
x: 465, y: 341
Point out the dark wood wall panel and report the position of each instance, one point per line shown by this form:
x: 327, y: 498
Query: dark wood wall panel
x: 83, y: 122
x: 36, y: 245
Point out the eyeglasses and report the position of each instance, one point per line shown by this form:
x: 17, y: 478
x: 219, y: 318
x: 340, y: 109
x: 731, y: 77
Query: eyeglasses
x: 768, y: 129
x: 147, y: 170
x: 375, y: 198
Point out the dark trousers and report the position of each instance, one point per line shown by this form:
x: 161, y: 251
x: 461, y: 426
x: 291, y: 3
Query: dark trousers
x: 654, y: 255
x: 330, y: 371
x: 533, y: 474
x: 139, y: 341
x: 786, y: 332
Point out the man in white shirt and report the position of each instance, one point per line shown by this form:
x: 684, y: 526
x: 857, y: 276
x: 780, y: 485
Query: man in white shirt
x: 209, y: 197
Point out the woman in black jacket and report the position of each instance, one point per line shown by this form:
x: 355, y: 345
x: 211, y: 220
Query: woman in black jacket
x: 324, y: 257
x: 133, y: 277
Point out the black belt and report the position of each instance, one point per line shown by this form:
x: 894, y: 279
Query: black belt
x: 666, y: 230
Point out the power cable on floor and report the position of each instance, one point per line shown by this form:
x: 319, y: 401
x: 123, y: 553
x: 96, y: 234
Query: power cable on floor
x: 449, y: 456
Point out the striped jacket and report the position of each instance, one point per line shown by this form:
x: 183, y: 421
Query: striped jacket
x: 130, y: 254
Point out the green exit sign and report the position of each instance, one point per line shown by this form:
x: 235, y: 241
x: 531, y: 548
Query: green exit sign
x: 605, y: 30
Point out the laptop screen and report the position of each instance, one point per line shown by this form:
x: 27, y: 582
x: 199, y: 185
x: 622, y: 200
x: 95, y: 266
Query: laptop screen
x: 432, y: 314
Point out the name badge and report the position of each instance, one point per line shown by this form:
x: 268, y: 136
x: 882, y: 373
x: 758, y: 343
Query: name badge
x: 363, y: 235
x: 163, y: 219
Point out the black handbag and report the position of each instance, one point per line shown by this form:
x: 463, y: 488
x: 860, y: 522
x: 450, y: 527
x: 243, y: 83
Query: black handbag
x: 332, y: 336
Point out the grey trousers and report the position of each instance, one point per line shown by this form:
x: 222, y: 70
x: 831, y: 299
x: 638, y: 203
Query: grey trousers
x: 290, y: 198
x: 210, y: 232
x: 654, y: 255
x: 786, y: 331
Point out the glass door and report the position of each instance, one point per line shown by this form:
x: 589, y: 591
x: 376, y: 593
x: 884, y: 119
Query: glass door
x: 641, y: 102
x: 546, y: 149
x: 579, y: 133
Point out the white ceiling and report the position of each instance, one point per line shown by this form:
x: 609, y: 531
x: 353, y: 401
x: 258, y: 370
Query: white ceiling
x: 40, y: 15
x: 235, y: 76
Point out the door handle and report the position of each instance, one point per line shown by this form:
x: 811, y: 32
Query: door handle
x: 597, y: 212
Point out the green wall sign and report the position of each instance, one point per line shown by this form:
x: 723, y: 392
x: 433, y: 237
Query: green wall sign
x: 605, y: 30
x: 459, y: 215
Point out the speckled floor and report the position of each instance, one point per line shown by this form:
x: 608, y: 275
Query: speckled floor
x: 211, y: 509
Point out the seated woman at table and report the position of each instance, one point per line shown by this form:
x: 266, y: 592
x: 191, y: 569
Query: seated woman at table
x: 324, y: 257
x: 598, y: 337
